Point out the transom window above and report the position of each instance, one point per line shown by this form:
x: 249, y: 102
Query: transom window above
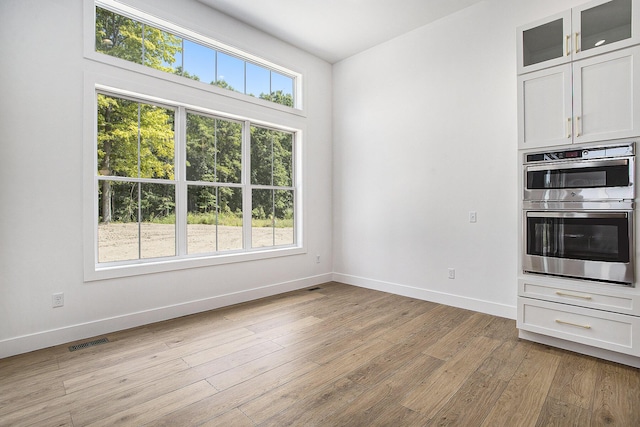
x: 134, y: 40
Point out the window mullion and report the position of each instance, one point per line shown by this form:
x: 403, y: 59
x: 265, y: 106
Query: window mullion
x: 246, y: 188
x: 139, y: 185
x: 180, y: 137
x: 273, y: 194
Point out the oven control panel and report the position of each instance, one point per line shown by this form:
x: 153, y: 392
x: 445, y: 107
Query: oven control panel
x: 587, y: 153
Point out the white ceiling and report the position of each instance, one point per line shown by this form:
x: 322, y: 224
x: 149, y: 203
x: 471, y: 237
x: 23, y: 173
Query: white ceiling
x: 336, y: 29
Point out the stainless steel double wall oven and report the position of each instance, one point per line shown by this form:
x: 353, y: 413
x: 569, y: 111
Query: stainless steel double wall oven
x: 578, y: 209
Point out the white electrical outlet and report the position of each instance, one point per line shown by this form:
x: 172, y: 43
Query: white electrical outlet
x: 452, y: 273
x: 318, y: 259
x: 58, y: 300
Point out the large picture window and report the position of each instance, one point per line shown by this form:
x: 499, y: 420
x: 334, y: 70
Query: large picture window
x: 149, y: 205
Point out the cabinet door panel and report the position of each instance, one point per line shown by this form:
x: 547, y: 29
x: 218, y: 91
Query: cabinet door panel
x: 604, y: 96
x: 544, y: 110
x: 602, y: 26
x: 602, y: 329
x: 544, y: 43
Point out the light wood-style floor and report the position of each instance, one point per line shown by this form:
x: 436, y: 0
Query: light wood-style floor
x: 334, y: 356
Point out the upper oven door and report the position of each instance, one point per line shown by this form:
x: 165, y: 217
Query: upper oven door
x: 606, y: 179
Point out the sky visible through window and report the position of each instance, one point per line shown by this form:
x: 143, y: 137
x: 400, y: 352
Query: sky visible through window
x: 203, y: 62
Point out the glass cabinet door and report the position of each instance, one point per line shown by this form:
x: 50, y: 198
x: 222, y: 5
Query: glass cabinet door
x: 600, y: 24
x: 544, y: 43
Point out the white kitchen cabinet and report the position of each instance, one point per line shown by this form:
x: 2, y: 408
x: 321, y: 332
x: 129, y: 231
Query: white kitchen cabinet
x: 597, y: 328
x: 545, y: 107
x: 544, y: 43
x: 594, y: 99
x: 594, y: 28
x: 615, y: 298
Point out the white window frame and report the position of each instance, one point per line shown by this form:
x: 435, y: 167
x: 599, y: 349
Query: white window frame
x: 145, y: 84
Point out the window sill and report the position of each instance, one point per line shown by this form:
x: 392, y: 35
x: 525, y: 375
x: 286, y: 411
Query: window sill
x: 161, y: 265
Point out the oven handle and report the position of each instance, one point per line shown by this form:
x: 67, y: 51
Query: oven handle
x: 601, y: 215
x: 578, y: 165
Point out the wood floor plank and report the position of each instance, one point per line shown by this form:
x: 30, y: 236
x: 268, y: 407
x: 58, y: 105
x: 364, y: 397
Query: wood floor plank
x: 433, y: 324
x: 447, y: 380
x: 380, y: 404
x: 575, y: 381
x: 249, y: 370
x: 60, y: 420
x: 234, y: 418
x: 450, y: 344
x: 385, y: 309
x: 327, y: 343
x: 75, y: 383
x: 285, y: 396
x: 320, y: 331
x: 249, y: 313
x: 236, y: 360
x: 216, y: 351
x: 13, y: 399
x: 378, y: 369
x: 526, y: 392
x: 505, y: 360
x: 501, y: 329
x: 617, y: 396
x: 556, y: 413
x: 377, y: 407
x: 219, y: 334
x: 237, y: 395
x: 158, y: 407
x: 90, y: 408
x: 334, y: 348
x: 34, y: 364
x: 145, y: 374
x: 347, y: 302
x: 315, y: 407
x: 472, y: 402
x: 290, y: 328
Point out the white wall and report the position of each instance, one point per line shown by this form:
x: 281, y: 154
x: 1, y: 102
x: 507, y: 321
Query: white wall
x: 425, y: 130
x: 41, y: 196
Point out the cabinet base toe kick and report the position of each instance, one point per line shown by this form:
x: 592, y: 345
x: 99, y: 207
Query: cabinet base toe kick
x: 612, y: 356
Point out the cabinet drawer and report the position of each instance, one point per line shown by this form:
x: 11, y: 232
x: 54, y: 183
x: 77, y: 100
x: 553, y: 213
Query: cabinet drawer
x: 611, y: 331
x: 583, y: 296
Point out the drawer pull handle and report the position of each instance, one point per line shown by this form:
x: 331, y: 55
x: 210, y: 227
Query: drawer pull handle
x: 573, y: 324
x: 564, y: 294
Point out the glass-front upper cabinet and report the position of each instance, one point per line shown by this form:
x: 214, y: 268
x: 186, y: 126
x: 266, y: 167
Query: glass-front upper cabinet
x: 593, y: 28
x: 544, y: 43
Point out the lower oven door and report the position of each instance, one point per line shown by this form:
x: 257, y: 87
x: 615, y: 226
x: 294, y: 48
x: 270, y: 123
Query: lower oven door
x: 587, y: 245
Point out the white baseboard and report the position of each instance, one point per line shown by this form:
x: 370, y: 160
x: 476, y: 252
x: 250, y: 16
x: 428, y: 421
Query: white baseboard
x: 40, y: 340
x: 482, y: 306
